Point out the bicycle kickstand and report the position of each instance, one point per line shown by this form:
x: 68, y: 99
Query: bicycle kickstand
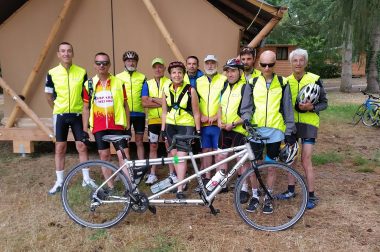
x: 213, y: 210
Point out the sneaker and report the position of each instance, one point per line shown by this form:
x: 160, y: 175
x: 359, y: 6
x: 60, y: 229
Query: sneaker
x: 267, y: 207
x: 151, y: 179
x: 56, y: 188
x: 90, y: 183
x: 180, y: 195
x: 285, y: 195
x: 244, y: 197
x: 173, y: 177
x: 253, y: 204
x: 312, y: 202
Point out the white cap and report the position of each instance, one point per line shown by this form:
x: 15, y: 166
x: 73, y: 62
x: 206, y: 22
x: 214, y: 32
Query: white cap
x: 210, y: 57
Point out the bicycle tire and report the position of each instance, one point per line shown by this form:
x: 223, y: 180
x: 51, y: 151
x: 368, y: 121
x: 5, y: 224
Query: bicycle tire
x: 359, y: 114
x: 369, y: 116
x: 286, y: 213
x: 77, y: 198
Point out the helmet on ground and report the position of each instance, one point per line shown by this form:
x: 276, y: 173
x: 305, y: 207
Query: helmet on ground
x: 288, y: 153
x: 175, y: 64
x: 130, y: 55
x: 310, y: 92
x: 233, y: 63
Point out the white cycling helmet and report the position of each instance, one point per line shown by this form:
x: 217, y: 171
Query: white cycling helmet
x: 310, y: 92
x: 288, y: 153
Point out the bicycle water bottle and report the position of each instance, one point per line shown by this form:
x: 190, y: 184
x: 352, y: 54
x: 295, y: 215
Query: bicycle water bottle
x: 215, y: 180
x: 161, y: 185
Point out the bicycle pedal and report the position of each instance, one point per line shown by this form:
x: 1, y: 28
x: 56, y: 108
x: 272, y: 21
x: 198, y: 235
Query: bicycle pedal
x: 214, y: 211
x: 152, y: 209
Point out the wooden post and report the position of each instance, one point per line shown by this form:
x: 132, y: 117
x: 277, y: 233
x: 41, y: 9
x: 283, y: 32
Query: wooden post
x: 267, y: 29
x: 26, y: 109
x: 37, y: 66
x: 164, y: 31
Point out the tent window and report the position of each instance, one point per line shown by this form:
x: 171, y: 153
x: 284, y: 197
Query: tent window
x: 282, y: 53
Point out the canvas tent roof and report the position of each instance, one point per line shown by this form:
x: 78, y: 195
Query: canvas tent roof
x: 242, y: 12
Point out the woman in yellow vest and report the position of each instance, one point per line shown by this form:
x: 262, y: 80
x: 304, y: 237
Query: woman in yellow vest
x: 306, y: 117
x: 180, y: 114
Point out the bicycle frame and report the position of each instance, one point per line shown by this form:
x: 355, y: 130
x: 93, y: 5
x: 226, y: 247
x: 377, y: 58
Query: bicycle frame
x: 244, y: 152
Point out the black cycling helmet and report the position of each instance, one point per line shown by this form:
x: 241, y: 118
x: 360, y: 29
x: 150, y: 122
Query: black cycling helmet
x: 175, y: 64
x: 130, y: 55
x: 234, y: 64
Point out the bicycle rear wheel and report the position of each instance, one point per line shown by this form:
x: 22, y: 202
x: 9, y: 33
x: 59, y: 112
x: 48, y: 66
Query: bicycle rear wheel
x: 358, y: 114
x: 80, y: 202
x: 285, y: 212
x: 369, y: 117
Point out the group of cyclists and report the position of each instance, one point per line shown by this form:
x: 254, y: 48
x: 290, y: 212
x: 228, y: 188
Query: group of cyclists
x: 189, y: 101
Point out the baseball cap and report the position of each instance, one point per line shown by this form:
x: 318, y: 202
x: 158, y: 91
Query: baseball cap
x: 158, y: 60
x: 211, y: 57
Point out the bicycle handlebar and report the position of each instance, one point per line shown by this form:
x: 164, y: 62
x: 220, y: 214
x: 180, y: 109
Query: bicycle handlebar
x: 369, y: 95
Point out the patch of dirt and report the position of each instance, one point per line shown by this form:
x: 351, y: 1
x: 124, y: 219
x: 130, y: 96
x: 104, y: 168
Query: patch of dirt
x: 346, y: 219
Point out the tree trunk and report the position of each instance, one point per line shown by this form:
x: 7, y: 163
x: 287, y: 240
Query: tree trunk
x: 374, y: 62
x: 346, y: 80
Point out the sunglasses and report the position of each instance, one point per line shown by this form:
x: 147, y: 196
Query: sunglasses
x: 102, y: 63
x: 267, y: 64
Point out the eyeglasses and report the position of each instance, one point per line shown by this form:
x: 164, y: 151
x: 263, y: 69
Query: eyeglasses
x: 102, y: 63
x: 264, y: 65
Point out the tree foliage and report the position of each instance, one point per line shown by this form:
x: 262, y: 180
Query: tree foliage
x: 304, y: 26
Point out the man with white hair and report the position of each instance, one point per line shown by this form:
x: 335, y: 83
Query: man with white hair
x: 209, y: 87
x: 306, y: 115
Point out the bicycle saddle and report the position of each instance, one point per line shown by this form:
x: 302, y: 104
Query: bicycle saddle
x: 115, y: 138
x: 186, y: 137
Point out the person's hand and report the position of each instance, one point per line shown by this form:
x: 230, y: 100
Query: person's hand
x: 307, y: 106
x: 204, y: 119
x: 85, y: 138
x: 163, y: 135
x: 229, y: 127
x: 290, y: 139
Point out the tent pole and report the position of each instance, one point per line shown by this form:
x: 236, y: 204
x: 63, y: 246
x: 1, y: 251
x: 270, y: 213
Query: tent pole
x: 267, y: 28
x: 161, y: 26
x: 26, y: 109
x: 37, y: 67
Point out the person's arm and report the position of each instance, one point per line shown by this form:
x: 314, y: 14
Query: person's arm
x: 147, y: 101
x: 288, y: 112
x: 85, y: 110
x: 164, y: 112
x: 322, y: 101
x: 126, y: 108
x: 49, y: 91
x: 195, y: 109
x: 246, y: 106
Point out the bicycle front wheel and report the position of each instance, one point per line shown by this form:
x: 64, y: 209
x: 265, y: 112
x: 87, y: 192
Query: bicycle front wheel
x: 96, y: 210
x: 358, y: 114
x: 285, y: 212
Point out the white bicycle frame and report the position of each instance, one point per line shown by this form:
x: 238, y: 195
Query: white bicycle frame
x: 244, y: 152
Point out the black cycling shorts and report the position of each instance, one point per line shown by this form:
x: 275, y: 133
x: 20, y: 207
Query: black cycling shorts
x: 228, y: 139
x: 103, y: 145
x: 154, y: 131
x: 62, y: 123
x: 138, y: 123
x: 272, y: 150
x: 172, y: 130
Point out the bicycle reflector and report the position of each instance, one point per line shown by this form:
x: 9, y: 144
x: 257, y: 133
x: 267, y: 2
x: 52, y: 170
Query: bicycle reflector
x: 310, y: 92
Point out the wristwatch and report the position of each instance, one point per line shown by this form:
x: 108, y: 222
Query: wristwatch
x: 233, y: 125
